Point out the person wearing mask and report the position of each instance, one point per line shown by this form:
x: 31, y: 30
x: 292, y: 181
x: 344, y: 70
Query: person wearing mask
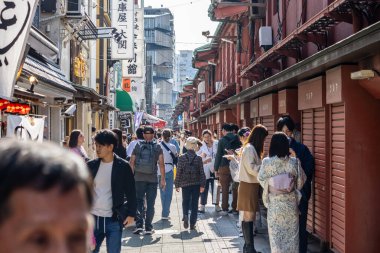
x: 132, y: 144
x: 45, y: 199
x: 114, y: 192
x: 191, y: 178
x: 76, y: 142
x: 120, y: 150
x: 248, y: 195
x: 170, y: 159
x: 208, y: 152
x: 228, y: 142
x: 286, y: 125
x: 282, y: 178
x: 144, y: 160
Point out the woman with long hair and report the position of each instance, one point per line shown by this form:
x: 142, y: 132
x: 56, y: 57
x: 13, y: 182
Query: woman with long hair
x: 76, y: 141
x: 282, y: 179
x: 119, y: 150
x: 207, y: 152
x: 248, y: 192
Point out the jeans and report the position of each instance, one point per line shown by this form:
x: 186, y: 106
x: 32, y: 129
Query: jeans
x: 111, y: 229
x: 209, y: 183
x: 148, y: 190
x: 166, y: 196
x: 190, y: 196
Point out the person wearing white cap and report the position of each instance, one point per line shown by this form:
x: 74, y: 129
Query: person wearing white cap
x: 191, y: 178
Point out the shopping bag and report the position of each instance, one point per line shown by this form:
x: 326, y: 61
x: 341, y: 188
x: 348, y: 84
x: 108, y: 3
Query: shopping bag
x: 216, y: 192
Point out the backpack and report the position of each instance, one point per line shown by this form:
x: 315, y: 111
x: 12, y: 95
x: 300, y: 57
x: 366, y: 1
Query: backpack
x: 233, y: 143
x: 146, y: 158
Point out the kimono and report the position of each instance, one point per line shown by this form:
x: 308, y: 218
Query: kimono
x: 283, y: 212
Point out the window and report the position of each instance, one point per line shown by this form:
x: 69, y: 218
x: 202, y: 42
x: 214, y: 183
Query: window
x: 73, y: 5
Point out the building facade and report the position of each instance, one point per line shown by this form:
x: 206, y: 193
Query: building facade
x: 318, y: 62
x: 159, y: 36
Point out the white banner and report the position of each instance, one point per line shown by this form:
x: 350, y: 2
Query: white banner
x: 134, y: 67
x: 15, y: 22
x: 122, y: 44
x: 25, y: 127
x: 138, y: 93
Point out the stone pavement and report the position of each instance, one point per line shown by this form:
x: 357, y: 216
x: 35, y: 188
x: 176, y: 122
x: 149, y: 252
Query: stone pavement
x: 214, y: 233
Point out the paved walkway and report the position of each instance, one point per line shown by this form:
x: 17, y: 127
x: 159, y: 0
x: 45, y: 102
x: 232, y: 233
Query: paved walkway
x: 214, y: 233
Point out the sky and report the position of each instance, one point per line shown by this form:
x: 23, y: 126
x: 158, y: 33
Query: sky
x: 190, y: 19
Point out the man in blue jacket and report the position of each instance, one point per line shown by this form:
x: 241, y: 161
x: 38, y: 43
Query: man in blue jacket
x: 286, y: 125
x: 114, y: 193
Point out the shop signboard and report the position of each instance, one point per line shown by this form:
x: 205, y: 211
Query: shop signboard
x: 15, y: 21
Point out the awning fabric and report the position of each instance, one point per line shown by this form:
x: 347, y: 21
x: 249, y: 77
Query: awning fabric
x: 124, y: 101
x: 152, y: 119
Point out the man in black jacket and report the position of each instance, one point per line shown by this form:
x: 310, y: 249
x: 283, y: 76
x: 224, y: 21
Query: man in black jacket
x: 286, y: 125
x: 229, y: 142
x: 114, y: 193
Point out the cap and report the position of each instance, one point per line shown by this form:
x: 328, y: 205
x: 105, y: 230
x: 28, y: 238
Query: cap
x: 148, y: 130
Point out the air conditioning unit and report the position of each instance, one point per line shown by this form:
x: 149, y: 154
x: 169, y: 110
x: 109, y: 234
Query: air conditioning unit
x: 74, y: 8
x: 258, y: 12
x: 265, y: 37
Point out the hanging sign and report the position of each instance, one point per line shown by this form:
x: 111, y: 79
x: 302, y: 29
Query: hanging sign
x: 15, y: 22
x: 134, y: 67
x: 122, y: 45
x: 126, y: 84
x: 26, y: 127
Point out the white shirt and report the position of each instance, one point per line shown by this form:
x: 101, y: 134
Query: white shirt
x: 167, y: 157
x: 102, y: 191
x: 210, y: 153
x: 131, y: 147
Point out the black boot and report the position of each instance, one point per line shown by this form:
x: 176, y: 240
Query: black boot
x: 249, y: 245
x: 185, y: 221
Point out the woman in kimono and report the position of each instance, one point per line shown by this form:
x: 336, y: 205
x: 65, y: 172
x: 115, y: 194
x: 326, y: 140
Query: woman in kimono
x: 282, y: 177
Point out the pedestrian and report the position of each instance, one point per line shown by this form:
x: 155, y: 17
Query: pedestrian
x: 120, y: 150
x: 144, y: 161
x: 170, y: 159
x: 132, y: 144
x: 191, y: 178
x: 208, y: 152
x: 114, y: 192
x: 228, y: 142
x: 248, y: 196
x: 286, y: 125
x: 281, y: 177
x: 76, y: 142
x: 45, y: 199
x: 175, y: 142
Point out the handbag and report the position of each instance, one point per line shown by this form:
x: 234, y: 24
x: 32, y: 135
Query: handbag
x: 174, y: 157
x: 216, y: 192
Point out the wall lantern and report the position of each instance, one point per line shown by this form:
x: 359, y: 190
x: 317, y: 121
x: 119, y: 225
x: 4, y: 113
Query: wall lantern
x: 33, y: 81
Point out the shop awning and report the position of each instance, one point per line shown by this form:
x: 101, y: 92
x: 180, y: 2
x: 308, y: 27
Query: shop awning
x: 152, y: 119
x: 86, y: 94
x: 47, y: 72
x: 124, y: 101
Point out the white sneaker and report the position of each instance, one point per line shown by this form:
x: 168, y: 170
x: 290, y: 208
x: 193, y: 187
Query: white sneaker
x: 165, y: 218
x: 218, y: 208
x: 201, y: 209
x: 149, y: 232
x: 138, y: 231
x: 223, y: 213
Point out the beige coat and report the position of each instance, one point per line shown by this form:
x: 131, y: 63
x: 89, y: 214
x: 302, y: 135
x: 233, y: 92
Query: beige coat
x: 249, y: 165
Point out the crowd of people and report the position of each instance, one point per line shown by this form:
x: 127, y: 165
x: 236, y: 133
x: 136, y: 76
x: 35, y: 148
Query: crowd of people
x: 119, y: 185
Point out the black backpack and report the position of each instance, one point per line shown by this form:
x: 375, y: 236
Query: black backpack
x: 146, y: 158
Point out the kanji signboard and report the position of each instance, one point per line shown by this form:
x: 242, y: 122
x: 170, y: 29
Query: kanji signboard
x: 15, y: 22
x: 126, y: 84
x: 122, y: 44
x: 133, y: 67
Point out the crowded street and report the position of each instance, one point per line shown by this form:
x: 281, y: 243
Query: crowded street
x: 199, y: 126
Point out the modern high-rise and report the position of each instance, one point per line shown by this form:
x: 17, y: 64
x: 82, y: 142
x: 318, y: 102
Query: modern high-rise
x: 184, y: 71
x: 159, y: 36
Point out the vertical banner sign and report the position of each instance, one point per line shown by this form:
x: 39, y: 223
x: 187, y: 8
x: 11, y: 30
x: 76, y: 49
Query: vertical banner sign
x: 126, y: 85
x: 15, y: 21
x: 122, y: 45
x: 134, y: 67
